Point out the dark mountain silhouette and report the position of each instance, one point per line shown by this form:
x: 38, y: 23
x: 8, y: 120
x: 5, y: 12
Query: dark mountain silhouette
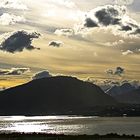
x: 119, y: 90
x: 125, y: 93
x: 53, y: 95
x: 132, y: 97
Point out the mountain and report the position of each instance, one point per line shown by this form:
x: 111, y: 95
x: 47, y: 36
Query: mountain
x: 119, y: 90
x: 131, y: 97
x: 53, y: 95
x: 125, y: 93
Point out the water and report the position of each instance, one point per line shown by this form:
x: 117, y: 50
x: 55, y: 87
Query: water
x: 70, y: 125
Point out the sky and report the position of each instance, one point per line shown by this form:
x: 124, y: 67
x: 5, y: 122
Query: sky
x: 97, y: 40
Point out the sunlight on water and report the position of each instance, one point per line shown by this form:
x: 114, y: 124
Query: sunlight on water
x: 23, y: 127
x: 70, y: 125
x: 10, y: 118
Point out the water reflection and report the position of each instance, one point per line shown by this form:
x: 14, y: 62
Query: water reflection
x: 69, y: 125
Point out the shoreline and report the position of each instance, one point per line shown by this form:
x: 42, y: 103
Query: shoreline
x: 44, y: 136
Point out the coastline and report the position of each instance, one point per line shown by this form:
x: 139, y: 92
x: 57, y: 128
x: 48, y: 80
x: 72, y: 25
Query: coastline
x: 43, y: 136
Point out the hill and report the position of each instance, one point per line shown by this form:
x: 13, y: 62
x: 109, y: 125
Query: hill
x: 53, y: 95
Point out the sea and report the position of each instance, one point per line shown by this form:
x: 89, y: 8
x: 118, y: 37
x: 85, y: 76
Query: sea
x: 70, y: 125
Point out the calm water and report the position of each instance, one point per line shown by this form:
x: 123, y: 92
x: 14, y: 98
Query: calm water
x: 70, y: 125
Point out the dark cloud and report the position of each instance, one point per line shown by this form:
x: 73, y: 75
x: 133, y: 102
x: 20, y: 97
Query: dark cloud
x: 126, y: 28
x: 42, y: 74
x: 14, y: 71
x: 19, y: 41
x: 114, y: 16
x: 119, y: 71
x: 3, y: 72
x: 90, y: 23
x: 55, y: 44
x: 108, y: 16
x: 137, y: 31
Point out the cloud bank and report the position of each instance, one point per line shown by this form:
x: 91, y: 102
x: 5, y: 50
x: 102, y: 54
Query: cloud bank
x: 18, y: 41
x: 10, y: 19
x: 13, y: 4
x: 14, y: 71
x: 11, y: 11
x: 123, y: 2
x: 113, y: 16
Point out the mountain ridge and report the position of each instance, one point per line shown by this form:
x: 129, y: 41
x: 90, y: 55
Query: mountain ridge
x: 58, y: 94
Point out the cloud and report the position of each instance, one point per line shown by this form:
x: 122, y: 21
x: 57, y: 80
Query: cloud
x: 119, y: 71
x: 114, y: 44
x: 64, y: 32
x: 112, y: 82
x: 14, y: 71
x: 128, y: 52
x: 106, y: 85
x: 90, y: 23
x: 55, y: 43
x: 126, y: 28
x: 112, y: 17
x: 66, y: 3
x: 108, y: 15
x: 9, y: 19
x: 18, y: 41
x: 9, y: 14
x: 13, y: 4
x: 110, y: 72
x: 42, y: 74
x: 123, y: 2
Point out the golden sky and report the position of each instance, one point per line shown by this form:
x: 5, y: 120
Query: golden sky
x: 82, y: 38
